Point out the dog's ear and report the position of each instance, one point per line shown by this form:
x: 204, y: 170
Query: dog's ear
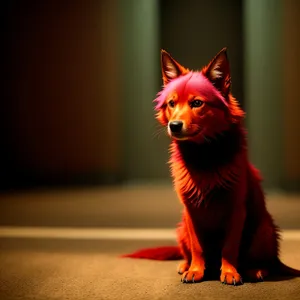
x: 170, y: 68
x: 218, y: 72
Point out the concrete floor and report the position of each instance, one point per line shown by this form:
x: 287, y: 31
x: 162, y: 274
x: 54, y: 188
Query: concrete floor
x: 89, y: 268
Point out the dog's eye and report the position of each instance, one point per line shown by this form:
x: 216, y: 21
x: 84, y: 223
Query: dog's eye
x: 196, y: 103
x: 171, y: 103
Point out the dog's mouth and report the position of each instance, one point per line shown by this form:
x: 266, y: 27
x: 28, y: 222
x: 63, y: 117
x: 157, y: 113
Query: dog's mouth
x: 182, y: 136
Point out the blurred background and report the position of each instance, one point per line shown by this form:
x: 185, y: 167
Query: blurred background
x: 80, y: 78
x: 79, y: 144
x: 77, y: 116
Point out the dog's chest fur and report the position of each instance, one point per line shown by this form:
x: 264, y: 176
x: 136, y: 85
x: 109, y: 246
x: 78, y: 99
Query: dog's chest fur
x: 205, y: 171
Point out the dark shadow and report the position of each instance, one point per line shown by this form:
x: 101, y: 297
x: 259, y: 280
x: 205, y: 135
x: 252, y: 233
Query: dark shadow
x: 279, y: 278
x: 214, y: 275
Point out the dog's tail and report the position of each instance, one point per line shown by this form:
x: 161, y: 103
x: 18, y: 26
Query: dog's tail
x: 284, y: 270
x: 159, y: 253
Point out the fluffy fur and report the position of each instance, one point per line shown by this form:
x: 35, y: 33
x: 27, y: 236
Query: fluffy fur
x: 225, y: 226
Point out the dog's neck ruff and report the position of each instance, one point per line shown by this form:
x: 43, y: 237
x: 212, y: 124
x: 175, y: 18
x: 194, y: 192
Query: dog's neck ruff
x: 212, y: 153
x: 200, y: 169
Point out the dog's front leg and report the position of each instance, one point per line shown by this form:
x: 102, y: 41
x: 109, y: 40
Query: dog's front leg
x: 230, y: 251
x: 195, y: 272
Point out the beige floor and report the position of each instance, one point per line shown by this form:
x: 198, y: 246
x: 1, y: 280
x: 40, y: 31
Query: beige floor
x: 78, y: 268
x: 93, y: 270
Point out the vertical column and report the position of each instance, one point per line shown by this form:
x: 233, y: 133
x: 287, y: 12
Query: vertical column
x: 291, y: 97
x: 264, y: 86
x: 143, y: 156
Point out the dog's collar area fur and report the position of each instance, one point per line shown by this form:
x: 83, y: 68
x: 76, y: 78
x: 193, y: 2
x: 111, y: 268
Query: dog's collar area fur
x: 214, y: 152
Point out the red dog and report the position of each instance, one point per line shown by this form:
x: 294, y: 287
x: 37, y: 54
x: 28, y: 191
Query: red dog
x: 225, y: 222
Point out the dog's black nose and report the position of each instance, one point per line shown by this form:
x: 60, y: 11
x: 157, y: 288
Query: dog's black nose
x: 176, y: 126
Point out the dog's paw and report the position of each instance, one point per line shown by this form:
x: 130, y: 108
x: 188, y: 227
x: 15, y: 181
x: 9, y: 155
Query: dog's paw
x: 256, y: 275
x: 231, y: 278
x: 182, y: 267
x: 192, y: 276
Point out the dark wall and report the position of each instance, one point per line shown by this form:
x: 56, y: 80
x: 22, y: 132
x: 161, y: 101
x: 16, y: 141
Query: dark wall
x: 59, y: 106
x: 291, y: 105
x: 193, y: 32
x: 271, y: 89
x: 80, y: 78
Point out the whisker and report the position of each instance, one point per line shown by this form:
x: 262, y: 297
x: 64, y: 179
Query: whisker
x: 158, y: 133
x: 206, y: 139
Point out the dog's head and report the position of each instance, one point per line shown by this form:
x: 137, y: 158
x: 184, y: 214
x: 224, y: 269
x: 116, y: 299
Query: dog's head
x: 196, y: 105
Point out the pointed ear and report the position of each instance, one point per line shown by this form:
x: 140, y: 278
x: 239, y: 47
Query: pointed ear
x: 218, y: 72
x: 170, y: 68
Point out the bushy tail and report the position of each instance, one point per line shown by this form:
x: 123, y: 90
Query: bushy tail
x: 284, y: 270
x: 159, y: 253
